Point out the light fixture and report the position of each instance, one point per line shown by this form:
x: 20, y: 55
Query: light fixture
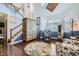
x: 0, y: 14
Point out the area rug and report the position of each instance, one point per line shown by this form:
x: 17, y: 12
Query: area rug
x: 38, y: 49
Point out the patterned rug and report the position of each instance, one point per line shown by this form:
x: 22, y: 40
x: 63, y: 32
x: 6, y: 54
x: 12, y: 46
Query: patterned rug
x: 38, y: 49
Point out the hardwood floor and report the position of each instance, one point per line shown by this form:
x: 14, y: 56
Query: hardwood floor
x: 14, y: 50
x: 18, y: 49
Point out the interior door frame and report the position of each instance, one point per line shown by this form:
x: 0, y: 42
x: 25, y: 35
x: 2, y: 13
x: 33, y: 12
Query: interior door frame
x: 6, y: 40
x: 5, y: 28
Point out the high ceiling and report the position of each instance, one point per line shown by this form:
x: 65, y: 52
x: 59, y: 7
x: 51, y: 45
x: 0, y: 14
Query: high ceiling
x: 19, y: 6
x: 41, y: 7
x: 41, y: 10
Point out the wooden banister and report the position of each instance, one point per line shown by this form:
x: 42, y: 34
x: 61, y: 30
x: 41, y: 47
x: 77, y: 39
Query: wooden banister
x: 17, y: 32
x: 16, y: 27
x: 11, y: 31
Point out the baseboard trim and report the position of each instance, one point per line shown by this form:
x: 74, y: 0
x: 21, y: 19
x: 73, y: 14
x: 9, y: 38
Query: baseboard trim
x: 16, y: 42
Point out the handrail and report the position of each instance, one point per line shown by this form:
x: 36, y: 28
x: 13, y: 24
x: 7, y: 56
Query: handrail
x: 17, y: 32
x: 12, y: 36
x: 16, y: 9
x: 16, y: 27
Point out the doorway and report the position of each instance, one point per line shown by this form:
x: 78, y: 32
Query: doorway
x: 3, y: 31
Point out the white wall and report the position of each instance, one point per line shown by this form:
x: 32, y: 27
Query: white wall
x: 41, y: 11
x: 69, y: 11
x: 29, y: 11
x: 64, y: 12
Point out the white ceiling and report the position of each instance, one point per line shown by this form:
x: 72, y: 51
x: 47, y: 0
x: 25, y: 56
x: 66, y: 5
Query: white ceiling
x: 63, y: 7
x: 40, y: 8
x: 18, y: 5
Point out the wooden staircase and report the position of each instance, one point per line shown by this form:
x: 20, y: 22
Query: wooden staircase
x: 14, y: 35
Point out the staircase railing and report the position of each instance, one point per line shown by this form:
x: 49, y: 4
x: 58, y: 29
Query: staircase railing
x: 13, y: 35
